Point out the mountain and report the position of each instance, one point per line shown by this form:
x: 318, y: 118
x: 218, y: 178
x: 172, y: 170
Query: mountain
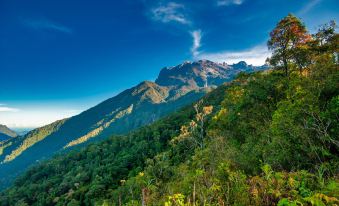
x: 202, y: 73
x: 174, y: 88
x: 247, y: 141
x: 6, y: 133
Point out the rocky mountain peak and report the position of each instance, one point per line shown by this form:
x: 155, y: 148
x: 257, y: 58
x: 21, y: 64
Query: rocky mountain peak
x: 201, y: 74
x: 191, y: 73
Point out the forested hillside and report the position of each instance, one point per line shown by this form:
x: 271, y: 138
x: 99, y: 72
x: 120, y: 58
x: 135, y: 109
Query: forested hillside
x: 266, y: 138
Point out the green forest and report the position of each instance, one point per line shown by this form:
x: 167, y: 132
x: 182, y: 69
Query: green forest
x: 266, y: 138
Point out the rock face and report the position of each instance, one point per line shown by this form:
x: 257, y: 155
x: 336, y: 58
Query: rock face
x: 174, y: 88
x: 201, y: 74
x: 194, y: 74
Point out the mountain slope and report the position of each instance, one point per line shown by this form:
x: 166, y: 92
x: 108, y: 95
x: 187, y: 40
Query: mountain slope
x: 123, y: 154
x: 140, y: 105
x: 6, y: 133
x: 32, y: 138
x: 4, y: 137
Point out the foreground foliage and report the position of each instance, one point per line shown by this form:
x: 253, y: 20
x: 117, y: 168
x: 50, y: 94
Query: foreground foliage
x: 268, y: 138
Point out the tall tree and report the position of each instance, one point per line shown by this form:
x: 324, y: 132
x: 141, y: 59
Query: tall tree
x: 286, y: 41
x: 326, y: 40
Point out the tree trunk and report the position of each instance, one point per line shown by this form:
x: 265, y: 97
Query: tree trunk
x: 120, y: 200
x: 194, y: 193
x: 143, y: 191
x: 285, y: 63
x: 286, y: 68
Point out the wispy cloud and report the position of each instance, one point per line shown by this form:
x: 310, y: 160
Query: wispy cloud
x: 196, y: 35
x: 170, y: 12
x: 4, y: 108
x: 256, y: 56
x: 175, y: 12
x: 310, y: 5
x: 43, y: 24
x: 229, y: 2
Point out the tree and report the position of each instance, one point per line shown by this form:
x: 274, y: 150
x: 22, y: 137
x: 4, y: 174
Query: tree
x: 325, y: 33
x: 326, y: 41
x: 287, y: 42
x: 195, y: 131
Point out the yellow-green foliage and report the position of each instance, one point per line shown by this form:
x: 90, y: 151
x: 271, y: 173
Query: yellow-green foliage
x: 100, y: 127
x: 4, y: 146
x: 32, y: 138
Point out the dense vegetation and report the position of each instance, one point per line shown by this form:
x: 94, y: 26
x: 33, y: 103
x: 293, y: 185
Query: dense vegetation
x: 267, y: 138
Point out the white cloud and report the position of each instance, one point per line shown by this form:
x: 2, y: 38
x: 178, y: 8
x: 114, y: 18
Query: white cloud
x: 7, y: 109
x: 171, y: 12
x: 229, y: 2
x: 43, y: 24
x: 196, y: 35
x: 256, y: 56
x: 308, y: 7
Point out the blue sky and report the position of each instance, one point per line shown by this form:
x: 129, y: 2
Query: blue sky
x: 58, y: 58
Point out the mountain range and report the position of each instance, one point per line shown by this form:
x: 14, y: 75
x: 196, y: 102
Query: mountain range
x: 140, y: 105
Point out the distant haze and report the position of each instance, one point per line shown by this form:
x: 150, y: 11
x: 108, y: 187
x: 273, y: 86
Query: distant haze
x: 32, y: 118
